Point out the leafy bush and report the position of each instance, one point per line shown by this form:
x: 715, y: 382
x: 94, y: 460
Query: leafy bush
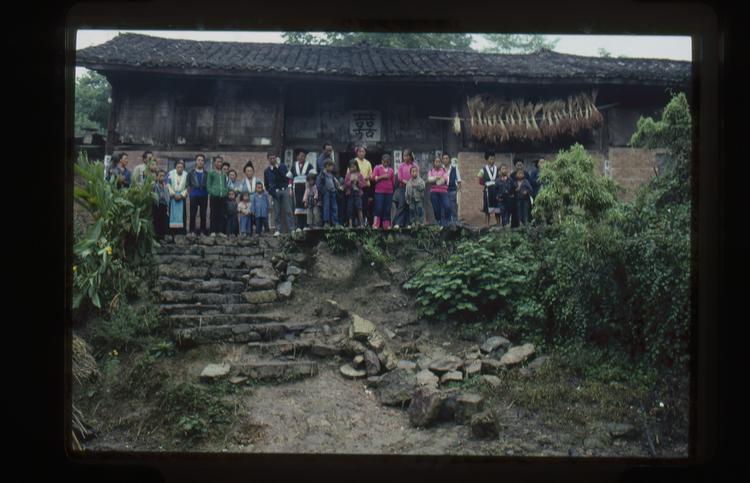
x: 605, y: 271
x: 122, y: 234
x: 572, y: 186
x: 475, y: 280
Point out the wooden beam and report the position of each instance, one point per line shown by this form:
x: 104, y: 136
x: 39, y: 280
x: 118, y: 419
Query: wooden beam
x: 277, y: 138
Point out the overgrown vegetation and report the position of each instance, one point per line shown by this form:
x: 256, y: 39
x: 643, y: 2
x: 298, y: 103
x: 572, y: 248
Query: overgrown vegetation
x: 600, y: 271
x: 117, y: 243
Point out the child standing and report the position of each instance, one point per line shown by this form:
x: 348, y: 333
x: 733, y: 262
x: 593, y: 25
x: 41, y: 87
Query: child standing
x: 382, y: 176
x: 260, y: 206
x: 328, y: 185
x: 414, y: 196
x: 311, y: 202
x: 504, y: 195
x: 523, y: 191
x: 232, y: 225
x: 160, y: 208
x: 438, y: 178
x: 354, y: 185
x: 244, y: 210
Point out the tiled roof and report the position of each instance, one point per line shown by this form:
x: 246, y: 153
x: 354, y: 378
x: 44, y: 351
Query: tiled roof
x: 143, y: 52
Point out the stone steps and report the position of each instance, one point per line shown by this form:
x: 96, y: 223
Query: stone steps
x: 239, y: 333
x: 187, y: 320
x: 216, y: 261
x: 210, y: 309
x: 178, y: 296
x: 211, y: 286
x: 184, y: 272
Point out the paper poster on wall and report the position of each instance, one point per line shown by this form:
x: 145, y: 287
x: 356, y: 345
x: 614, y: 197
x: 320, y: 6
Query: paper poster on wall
x: 312, y: 158
x: 364, y: 126
x: 288, y: 156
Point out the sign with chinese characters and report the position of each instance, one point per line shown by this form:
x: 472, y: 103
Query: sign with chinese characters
x: 365, y: 125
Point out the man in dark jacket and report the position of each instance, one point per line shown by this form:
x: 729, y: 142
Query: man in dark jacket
x: 279, y: 187
x: 198, y: 194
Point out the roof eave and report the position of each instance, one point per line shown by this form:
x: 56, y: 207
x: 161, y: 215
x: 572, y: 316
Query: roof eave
x: 295, y: 76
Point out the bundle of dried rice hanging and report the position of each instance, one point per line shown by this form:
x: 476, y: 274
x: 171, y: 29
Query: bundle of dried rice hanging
x: 456, y: 124
x: 84, y: 364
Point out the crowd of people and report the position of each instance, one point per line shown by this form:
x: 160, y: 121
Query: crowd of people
x: 315, y: 195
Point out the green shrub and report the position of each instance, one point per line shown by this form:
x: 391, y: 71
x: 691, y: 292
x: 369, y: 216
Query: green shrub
x: 121, y: 234
x: 128, y: 328
x: 341, y: 241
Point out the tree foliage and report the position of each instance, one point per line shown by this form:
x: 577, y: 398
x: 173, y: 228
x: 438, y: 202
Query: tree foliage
x: 518, y: 43
x: 379, y: 39
x: 92, y: 94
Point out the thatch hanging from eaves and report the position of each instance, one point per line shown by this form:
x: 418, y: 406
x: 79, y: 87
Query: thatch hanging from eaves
x: 497, y: 120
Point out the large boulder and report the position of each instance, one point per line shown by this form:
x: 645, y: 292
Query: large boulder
x: 517, y: 354
x: 332, y: 267
x: 396, y: 387
x: 424, y: 406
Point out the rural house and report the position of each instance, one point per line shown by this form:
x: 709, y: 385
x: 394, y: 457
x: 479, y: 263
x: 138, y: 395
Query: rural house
x: 180, y: 97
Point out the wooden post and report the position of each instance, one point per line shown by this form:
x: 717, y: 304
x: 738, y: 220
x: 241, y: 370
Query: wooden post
x: 111, y: 121
x: 278, y: 126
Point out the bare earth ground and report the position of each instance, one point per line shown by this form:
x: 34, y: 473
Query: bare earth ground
x: 330, y: 414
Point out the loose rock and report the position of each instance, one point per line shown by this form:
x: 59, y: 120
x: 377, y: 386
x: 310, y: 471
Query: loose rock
x: 388, y: 359
x: 375, y: 340
x: 215, y: 371
x: 396, y: 387
x: 427, y: 378
x: 424, y: 406
x: 517, y: 354
x: 451, y: 376
x: 348, y: 371
x: 490, y: 366
x: 372, y: 363
x: 361, y: 328
x: 493, y: 343
x: 472, y: 367
x: 537, y: 363
x: 358, y: 360
x: 261, y: 296
x: 408, y: 365
x: 445, y: 364
x: 468, y: 405
x: 237, y: 379
x: 284, y: 289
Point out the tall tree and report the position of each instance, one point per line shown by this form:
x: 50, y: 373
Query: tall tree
x: 604, y: 52
x: 92, y: 102
x: 379, y: 39
x: 518, y: 43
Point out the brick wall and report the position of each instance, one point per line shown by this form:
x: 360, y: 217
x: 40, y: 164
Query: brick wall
x: 470, y: 199
x: 631, y: 168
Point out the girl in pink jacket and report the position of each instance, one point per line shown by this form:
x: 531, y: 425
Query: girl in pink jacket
x: 438, y: 179
x: 382, y: 176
